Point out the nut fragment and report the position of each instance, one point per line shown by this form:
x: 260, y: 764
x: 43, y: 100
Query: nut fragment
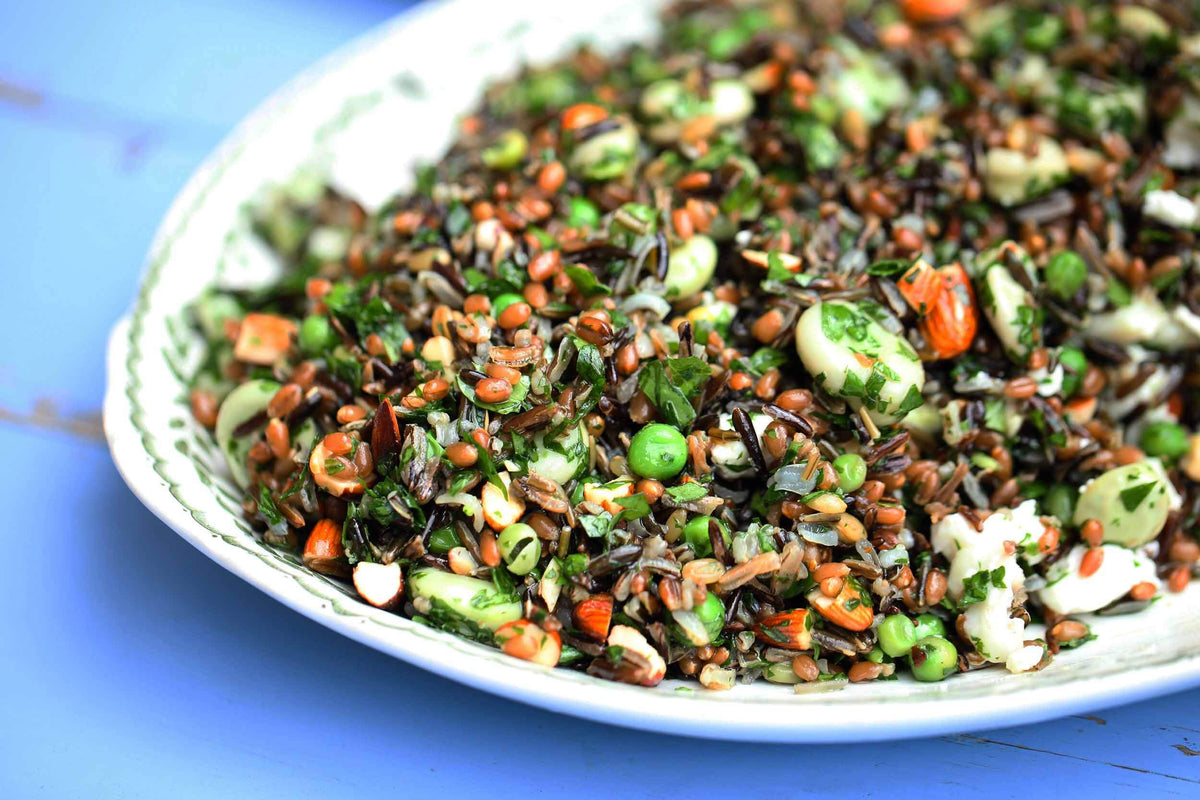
x: 703, y: 571
x: 632, y: 640
x: 381, y: 585
x: 717, y: 678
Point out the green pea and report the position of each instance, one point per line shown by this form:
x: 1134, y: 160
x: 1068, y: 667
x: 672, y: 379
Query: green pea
x: 712, y: 614
x: 929, y: 625
x: 659, y: 98
x: 897, y: 635
x: 316, y: 334
x: 875, y: 656
x: 1065, y: 274
x: 941, y: 659
x: 583, y: 214
x: 442, y: 541
x: 1075, y: 364
x: 1043, y: 34
x: 504, y: 301
x: 851, y: 471
x: 507, y: 152
x: 1164, y: 439
x: 1059, y: 501
x: 725, y: 42
x: 695, y: 534
x: 519, y: 548
x: 657, y: 451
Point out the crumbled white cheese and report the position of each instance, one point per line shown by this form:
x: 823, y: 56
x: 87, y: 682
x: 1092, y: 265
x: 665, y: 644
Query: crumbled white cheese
x: 997, y: 636
x: 731, y: 458
x: 1170, y: 208
x: 971, y: 551
x: 1068, y: 592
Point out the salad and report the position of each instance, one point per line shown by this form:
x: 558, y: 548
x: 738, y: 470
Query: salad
x: 818, y: 343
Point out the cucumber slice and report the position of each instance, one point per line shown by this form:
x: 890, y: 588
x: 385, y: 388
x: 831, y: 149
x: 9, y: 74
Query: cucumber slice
x: 1131, y: 502
x: 460, y: 603
x: 560, y: 459
x: 242, y: 404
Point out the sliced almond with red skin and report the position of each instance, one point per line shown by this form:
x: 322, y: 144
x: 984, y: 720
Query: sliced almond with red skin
x: 787, y: 629
x: 1080, y: 410
x: 348, y: 479
x: 323, y: 552
x: 263, y: 339
x: 385, y: 431
x: 499, y: 511
x: 593, y: 615
x: 631, y: 639
x: 527, y: 641
x: 607, y: 494
x: 851, y: 609
x: 381, y: 585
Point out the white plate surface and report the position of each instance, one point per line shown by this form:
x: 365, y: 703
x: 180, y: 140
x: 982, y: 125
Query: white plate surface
x: 366, y: 116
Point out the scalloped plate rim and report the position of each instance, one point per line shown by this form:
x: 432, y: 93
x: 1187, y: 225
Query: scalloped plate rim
x: 910, y: 711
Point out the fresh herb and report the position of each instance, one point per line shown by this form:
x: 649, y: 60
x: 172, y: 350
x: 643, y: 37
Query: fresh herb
x: 686, y: 492
x: 975, y: 587
x: 1133, y: 496
x: 670, y: 383
x: 267, y: 507
x: 585, y: 281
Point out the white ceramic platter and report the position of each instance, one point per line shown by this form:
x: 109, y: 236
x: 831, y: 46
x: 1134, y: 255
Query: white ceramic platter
x: 366, y: 116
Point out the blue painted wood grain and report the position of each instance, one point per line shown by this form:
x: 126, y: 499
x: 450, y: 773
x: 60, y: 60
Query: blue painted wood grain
x: 133, y: 667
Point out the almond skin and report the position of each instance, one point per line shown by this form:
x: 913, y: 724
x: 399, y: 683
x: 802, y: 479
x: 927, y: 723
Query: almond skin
x: 851, y: 608
x: 787, y: 630
x: 593, y: 616
x: 323, y: 552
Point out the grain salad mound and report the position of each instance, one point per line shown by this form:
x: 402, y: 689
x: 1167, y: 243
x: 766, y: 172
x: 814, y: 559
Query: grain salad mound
x: 818, y: 342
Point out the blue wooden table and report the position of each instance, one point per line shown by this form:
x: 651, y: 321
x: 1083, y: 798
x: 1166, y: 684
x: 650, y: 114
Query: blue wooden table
x: 131, y: 666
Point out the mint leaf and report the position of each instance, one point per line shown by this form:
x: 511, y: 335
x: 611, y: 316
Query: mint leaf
x: 1132, y: 497
x: 267, y: 507
x: 585, y: 281
x: 686, y: 492
x: 975, y: 587
x: 889, y: 267
x: 597, y: 526
x: 635, y: 506
x: 505, y: 407
x: 671, y: 383
x: 590, y: 364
